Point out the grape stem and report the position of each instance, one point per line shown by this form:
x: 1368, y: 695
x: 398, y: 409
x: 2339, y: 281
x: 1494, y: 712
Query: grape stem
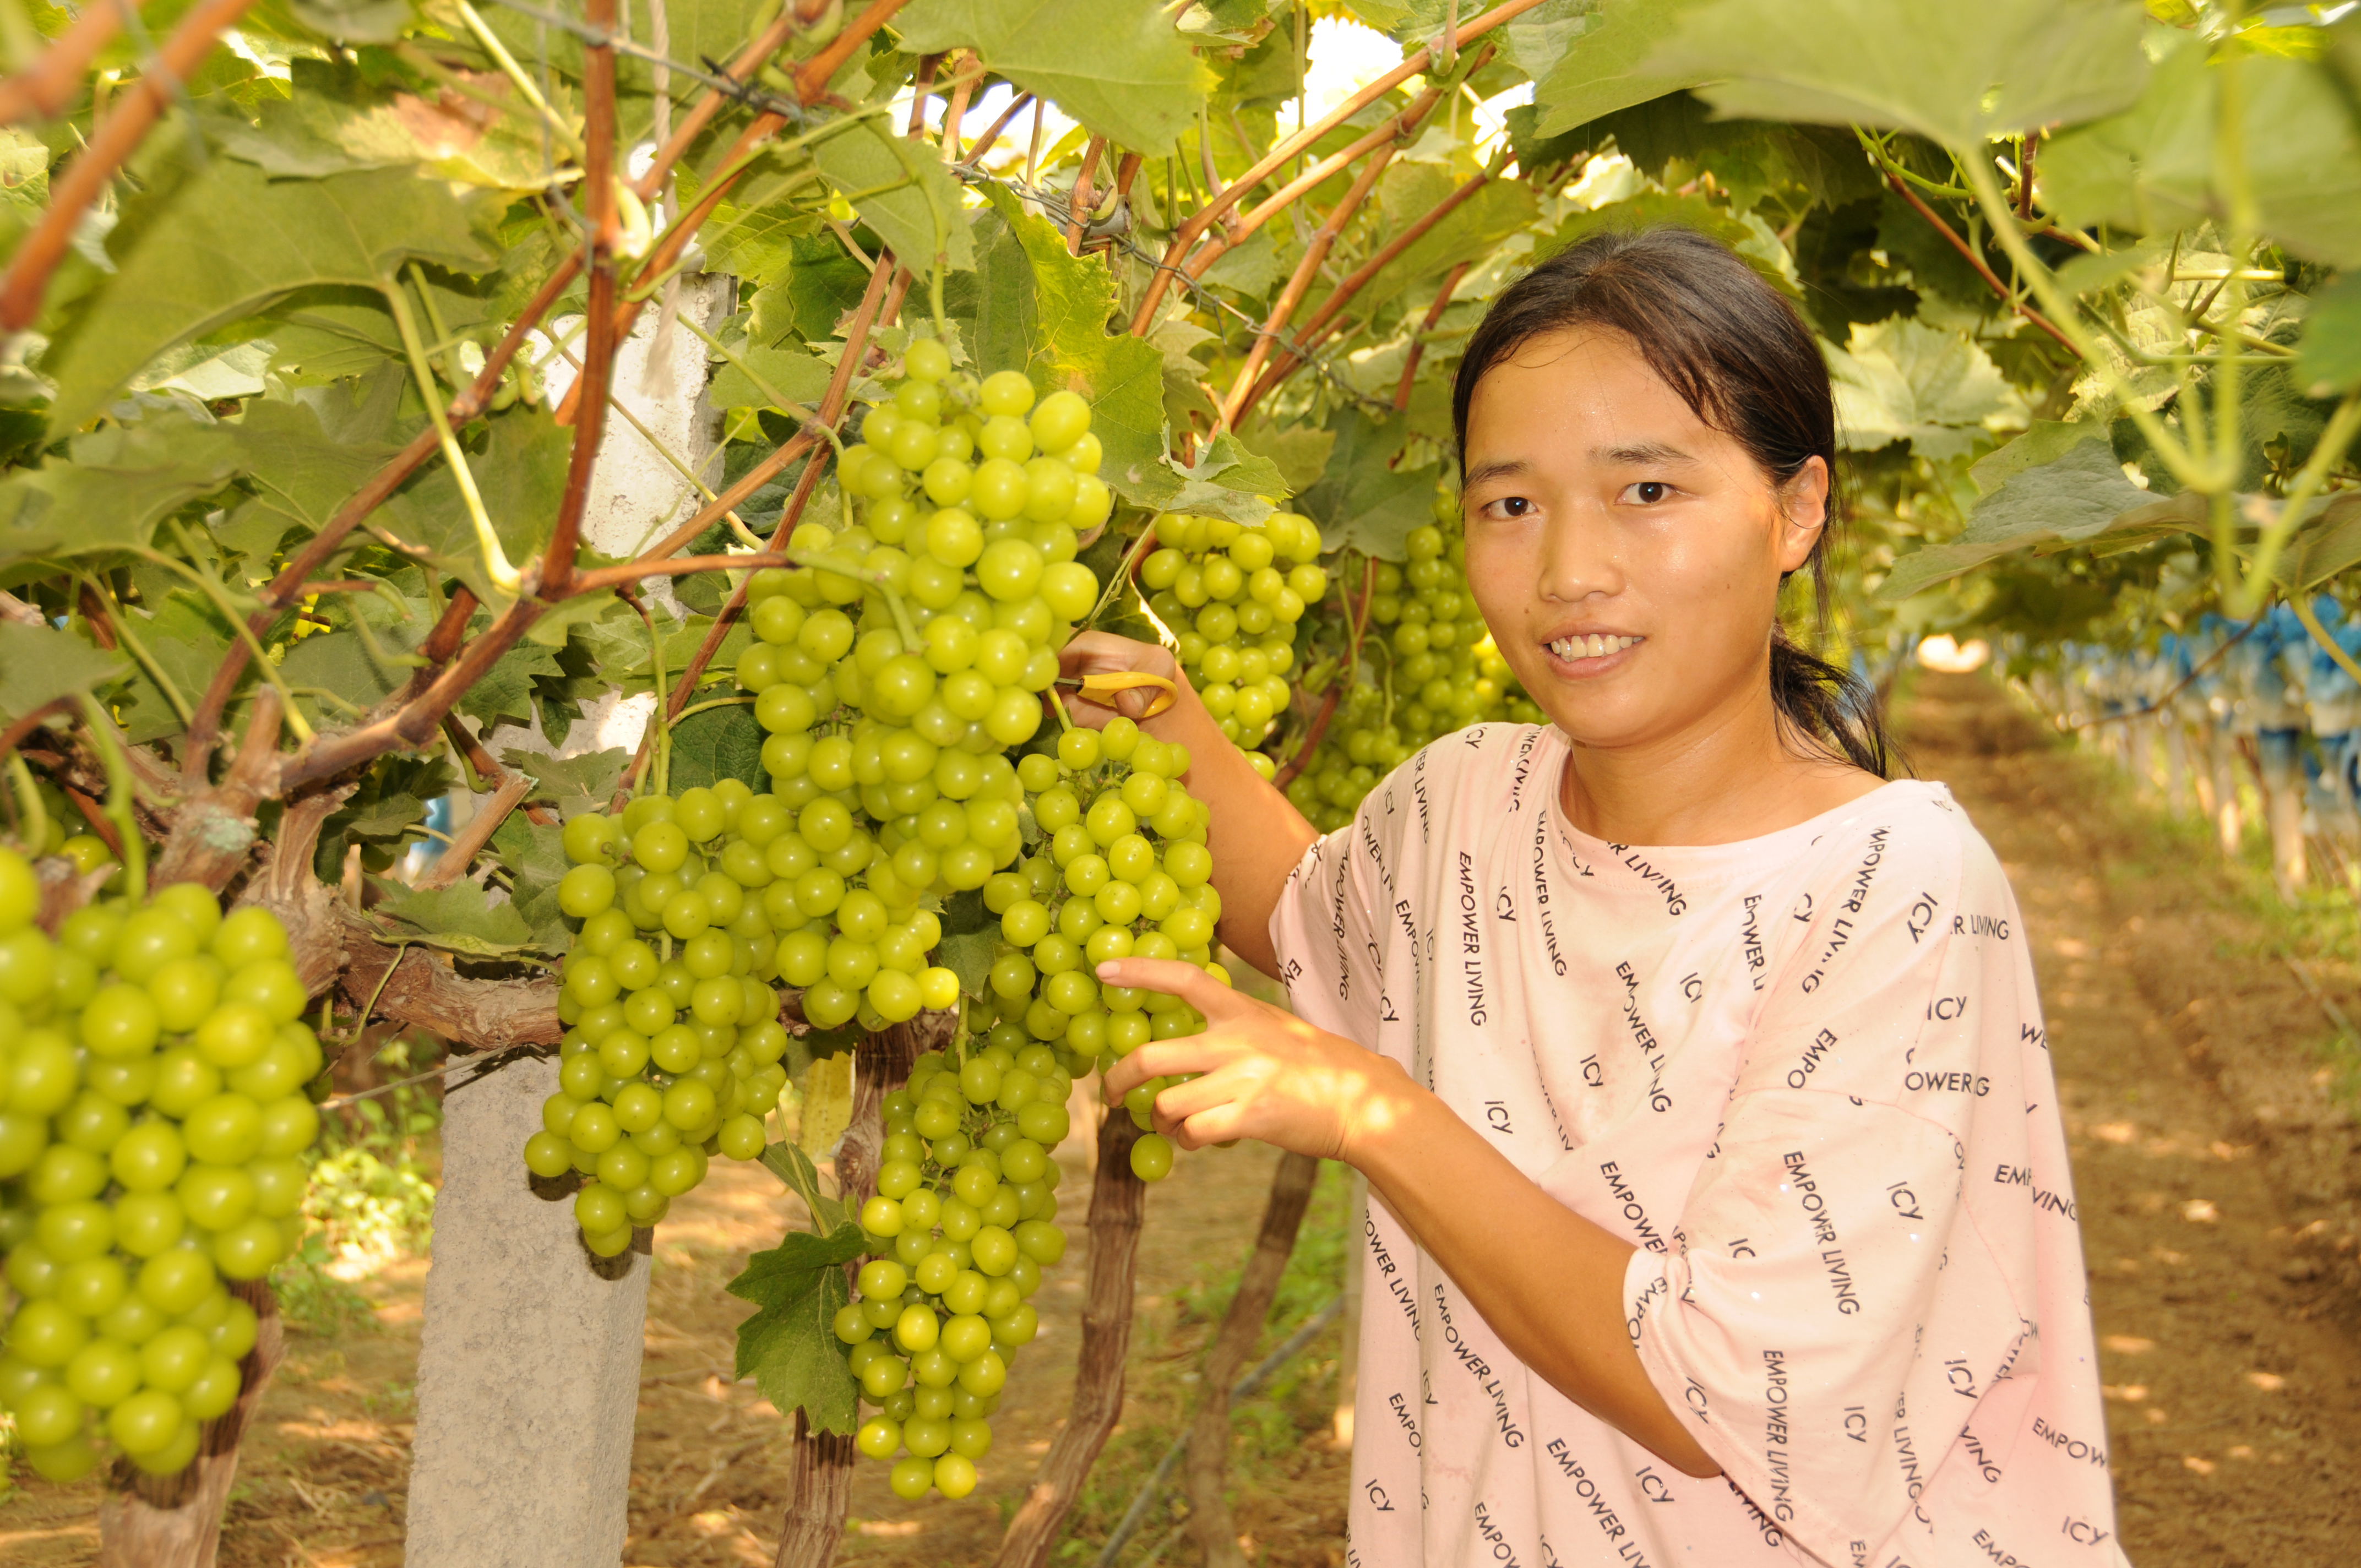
x: 717, y: 702
x: 1131, y: 560
x: 33, y: 827
x: 655, y: 658
x: 360, y: 1025
x: 118, y: 797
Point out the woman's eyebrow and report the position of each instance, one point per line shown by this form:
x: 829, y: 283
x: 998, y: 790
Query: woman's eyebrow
x: 1496, y: 469
x: 1641, y: 453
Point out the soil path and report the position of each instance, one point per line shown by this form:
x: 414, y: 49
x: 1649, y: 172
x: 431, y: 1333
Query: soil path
x: 2214, y: 1171
x: 2217, y: 1187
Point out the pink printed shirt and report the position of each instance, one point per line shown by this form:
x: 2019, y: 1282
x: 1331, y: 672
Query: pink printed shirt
x: 1805, y: 1077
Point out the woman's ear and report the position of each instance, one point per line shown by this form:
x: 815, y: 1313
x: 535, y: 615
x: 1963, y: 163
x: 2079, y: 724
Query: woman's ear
x: 1803, y: 513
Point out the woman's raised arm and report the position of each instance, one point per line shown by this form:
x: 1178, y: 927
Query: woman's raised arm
x: 1257, y: 836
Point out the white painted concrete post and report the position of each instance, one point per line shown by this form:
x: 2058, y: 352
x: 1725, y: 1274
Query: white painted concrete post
x: 529, y: 1367
x: 529, y: 1364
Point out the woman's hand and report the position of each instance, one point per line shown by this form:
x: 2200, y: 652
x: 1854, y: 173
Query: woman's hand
x: 1103, y: 653
x: 1265, y: 1074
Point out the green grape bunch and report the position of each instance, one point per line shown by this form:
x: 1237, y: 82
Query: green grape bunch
x: 1231, y: 594
x: 1428, y: 668
x: 1124, y: 873
x: 673, y: 1043
x: 962, y: 1225
x: 894, y: 671
x: 153, y: 1124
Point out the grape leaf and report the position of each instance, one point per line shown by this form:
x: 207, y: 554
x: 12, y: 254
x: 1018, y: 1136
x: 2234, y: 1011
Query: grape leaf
x: 334, y: 120
x: 827, y: 1100
x: 1299, y: 452
x: 2044, y: 441
x: 304, y: 472
x: 901, y: 189
x: 794, y: 375
x: 795, y: 1167
x: 533, y: 854
x: 720, y: 744
x: 210, y: 248
x: 39, y: 664
x: 1249, y: 269
x: 1584, y: 57
x: 112, y: 489
x: 2075, y: 496
x: 355, y: 669
x: 1500, y: 209
x: 997, y: 307
x: 1956, y: 73
x: 504, y: 694
x: 1361, y: 503
x: 1222, y: 21
x: 753, y: 235
x: 2150, y: 169
x: 1123, y: 71
x: 1073, y: 297
x: 572, y: 784
x: 969, y: 955
x: 1901, y: 380
x: 789, y: 1346
x: 460, y: 918
x: 187, y: 639
x: 1233, y: 465
x: 2328, y: 360
x: 520, y: 472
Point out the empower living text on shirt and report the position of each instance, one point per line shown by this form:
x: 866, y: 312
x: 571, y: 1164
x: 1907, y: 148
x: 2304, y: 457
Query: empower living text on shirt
x: 1806, y: 1075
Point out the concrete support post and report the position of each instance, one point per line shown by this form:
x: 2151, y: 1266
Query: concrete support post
x: 529, y: 1368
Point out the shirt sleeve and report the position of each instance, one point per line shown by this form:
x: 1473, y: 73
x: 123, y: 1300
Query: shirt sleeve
x: 1827, y: 1276
x: 1324, y: 930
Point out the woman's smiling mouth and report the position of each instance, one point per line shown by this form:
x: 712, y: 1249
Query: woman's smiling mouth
x: 1587, y: 652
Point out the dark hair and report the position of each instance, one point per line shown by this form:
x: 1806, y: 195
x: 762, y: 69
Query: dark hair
x: 1735, y: 350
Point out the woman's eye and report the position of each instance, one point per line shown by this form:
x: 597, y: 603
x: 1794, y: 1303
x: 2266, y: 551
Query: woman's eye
x: 1509, y: 506
x: 1647, y: 492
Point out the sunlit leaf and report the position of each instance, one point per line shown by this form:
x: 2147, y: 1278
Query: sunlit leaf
x: 212, y: 247
x: 2152, y: 168
x: 1955, y: 73
x: 1124, y: 72
x: 1073, y: 300
x: 901, y: 189
x: 1899, y: 380
x: 2329, y: 360
x: 1585, y: 57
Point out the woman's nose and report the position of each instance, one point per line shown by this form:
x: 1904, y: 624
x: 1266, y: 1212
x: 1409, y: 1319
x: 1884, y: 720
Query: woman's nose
x: 1578, y: 555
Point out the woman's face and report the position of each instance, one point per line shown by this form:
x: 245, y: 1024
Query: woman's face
x: 1626, y: 555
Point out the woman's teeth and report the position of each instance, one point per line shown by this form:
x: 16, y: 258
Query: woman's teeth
x: 1573, y: 649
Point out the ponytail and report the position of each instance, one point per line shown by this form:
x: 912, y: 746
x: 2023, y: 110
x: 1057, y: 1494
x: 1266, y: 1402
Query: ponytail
x: 1827, y: 708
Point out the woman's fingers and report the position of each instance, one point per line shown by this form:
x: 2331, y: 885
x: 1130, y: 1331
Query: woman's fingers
x: 1167, y: 1059
x: 1219, y: 1124
x: 1182, y: 1101
x: 1173, y: 978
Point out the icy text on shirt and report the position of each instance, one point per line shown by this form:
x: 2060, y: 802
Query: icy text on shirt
x: 1805, y: 1077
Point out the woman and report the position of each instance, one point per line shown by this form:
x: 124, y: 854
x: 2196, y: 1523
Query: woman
x: 1721, y: 1204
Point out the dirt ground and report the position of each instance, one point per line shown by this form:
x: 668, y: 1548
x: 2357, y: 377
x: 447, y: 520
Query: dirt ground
x: 2214, y: 1151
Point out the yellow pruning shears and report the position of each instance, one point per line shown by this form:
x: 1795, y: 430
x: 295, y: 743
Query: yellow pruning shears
x: 1101, y: 688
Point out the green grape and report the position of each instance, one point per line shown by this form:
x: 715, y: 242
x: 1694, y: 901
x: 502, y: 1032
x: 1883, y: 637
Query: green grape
x: 164, y: 997
x: 21, y: 892
x: 1151, y: 1157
